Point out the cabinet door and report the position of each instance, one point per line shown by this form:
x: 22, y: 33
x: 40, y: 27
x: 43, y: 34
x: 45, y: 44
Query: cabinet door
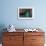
x: 18, y: 41
x: 13, y: 40
x: 37, y: 40
x: 27, y: 40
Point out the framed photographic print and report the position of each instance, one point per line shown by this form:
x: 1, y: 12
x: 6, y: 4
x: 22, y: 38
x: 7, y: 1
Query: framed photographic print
x: 25, y: 13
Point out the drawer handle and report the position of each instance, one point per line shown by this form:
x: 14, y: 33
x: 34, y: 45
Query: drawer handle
x: 33, y: 39
x: 11, y: 38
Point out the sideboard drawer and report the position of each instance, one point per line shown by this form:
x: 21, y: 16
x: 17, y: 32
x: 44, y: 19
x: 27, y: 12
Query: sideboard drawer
x: 13, y: 33
x: 34, y: 34
x: 37, y: 39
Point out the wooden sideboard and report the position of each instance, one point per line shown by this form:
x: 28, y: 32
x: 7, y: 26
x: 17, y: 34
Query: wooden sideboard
x: 23, y: 39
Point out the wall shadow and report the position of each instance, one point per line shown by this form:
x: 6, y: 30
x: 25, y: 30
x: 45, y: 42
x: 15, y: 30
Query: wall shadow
x: 2, y: 29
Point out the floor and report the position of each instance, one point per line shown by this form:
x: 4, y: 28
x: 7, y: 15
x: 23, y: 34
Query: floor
x: 0, y: 44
